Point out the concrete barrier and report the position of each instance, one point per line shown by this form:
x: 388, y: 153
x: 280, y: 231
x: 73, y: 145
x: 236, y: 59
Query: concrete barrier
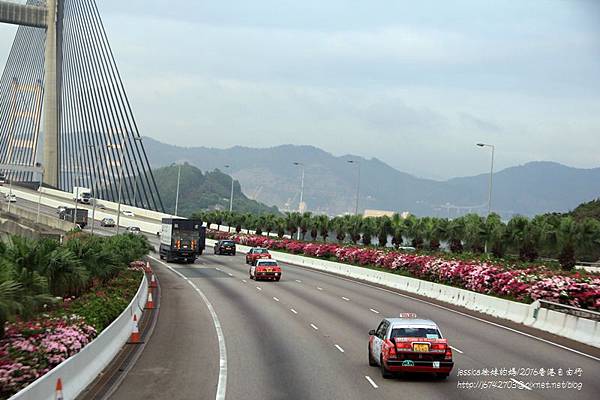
x: 80, y: 370
x: 577, y: 328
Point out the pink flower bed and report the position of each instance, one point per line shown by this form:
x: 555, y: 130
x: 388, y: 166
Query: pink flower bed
x: 524, y: 285
x: 30, y: 349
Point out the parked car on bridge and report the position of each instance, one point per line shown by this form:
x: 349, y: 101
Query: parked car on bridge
x: 134, y: 230
x: 60, y: 209
x: 409, y: 344
x: 10, y: 198
x: 256, y: 253
x: 128, y: 213
x: 265, y: 269
x: 225, y: 247
x: 107, y: 222
x: 2, y: 179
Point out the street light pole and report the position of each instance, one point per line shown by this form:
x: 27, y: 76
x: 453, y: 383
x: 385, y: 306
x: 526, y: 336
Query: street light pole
x: 37, y: 218
x: 177, y: 195
x: 230, y: 196
x: 357, y: 184
x: 95, y: 198
x: 490, y: 184
x: 491, y: 176
x: 121, y: 172
x: 301, y: 193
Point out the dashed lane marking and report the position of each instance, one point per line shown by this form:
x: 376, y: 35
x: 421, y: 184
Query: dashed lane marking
x: 345, y: 298
x: 294, y: 311
x: 298, y: 280
x: 243, y: 280
x: 339, y: 348
x: 319, y: 288
x: 275, y: 298
x: 230, y: 274
x: 375, y: 311
x: 314, y: 327
x: 371, y: 381
x: 258, y: 288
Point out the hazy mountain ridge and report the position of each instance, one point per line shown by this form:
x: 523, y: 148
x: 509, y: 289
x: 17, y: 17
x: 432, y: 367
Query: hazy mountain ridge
x: 268, y: 174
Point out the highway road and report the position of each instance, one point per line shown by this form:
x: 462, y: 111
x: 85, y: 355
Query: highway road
x: 305, y: 337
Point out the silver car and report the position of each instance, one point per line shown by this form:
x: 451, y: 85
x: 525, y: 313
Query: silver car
x: 134, y: 230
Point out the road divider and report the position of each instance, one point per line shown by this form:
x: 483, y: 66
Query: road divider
x: 77, y: 372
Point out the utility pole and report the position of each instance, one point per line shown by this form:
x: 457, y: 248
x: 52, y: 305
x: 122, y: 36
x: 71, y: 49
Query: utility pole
x: 177, y: 195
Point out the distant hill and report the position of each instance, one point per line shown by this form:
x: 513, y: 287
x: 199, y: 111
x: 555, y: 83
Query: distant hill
x: 591, y: 209
x: 269, y: 176
x: 201, y: 191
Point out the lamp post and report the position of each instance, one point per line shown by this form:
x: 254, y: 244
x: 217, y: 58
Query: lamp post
x: 491, y: 183
x: 135, y: 180
x: 357, y: 184
x: 231, y: 195
x: 95, y: 198
x: 177, y: 194
x: 39, y: 205
x: 298, y: 164
x: 491, y: 175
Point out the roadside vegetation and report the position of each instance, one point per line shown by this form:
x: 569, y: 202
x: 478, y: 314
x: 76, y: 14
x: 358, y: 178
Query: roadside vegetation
x: 551, y: 236
x: 55, y: 298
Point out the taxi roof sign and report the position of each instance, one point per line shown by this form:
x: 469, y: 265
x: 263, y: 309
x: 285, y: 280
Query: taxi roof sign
x: 408, y: 315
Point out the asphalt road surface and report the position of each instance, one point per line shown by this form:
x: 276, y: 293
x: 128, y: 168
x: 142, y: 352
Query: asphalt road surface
x: 305, y: 337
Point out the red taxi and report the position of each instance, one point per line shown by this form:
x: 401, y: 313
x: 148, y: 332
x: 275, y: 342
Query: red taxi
x: 409, y: 344
x: 265, y: 269
x: 256, y: 253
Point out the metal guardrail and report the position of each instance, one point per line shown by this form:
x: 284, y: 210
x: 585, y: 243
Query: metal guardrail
x: 577, y: 312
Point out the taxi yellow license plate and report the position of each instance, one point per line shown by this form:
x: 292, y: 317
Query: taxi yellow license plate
x: 421, y: 347
x: 269, y: 269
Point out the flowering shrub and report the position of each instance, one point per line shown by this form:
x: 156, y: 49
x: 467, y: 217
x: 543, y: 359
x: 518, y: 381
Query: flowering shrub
x: 32, y: 348
x: 533, y: 283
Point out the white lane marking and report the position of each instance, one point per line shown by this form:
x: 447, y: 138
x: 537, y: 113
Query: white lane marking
x: 275, y: 298
x: 258, y: 288
x: 294, y: 311
x: 371, y: 381
x: 314, y: 327
x: 455, y: 349
x: 230, y: 274
x: 345, y: 298
x: 222, y: 382
x: 319, y: 288
x: 520, y: 384
x: 339, y: 348
x: 217, y: 268
x: 243, y: 280
x: 453, y: 311
x: 298, y: 280
x: 375, y: 311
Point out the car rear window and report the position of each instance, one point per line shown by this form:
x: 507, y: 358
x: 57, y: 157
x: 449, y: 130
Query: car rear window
x: 261, y: 251
x: 268, y: 263
x: 425, y: 333
x: 228, y: 242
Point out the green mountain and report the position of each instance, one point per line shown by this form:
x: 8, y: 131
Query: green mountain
x: 203, y: 191
x: 590, y: 209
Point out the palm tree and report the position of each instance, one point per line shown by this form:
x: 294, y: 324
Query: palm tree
x: 269, y: 223
x: 475, y: 233
x: 354, y: 227
x: 368, y: 229
x: 322, y: 223
x: 280, y: 227
x: 456, y: 232
x: 66, y: 275
x: 496, y: 235
x: 339, y: 224
x: 415, y: 230
x: 524, y: 236
x: 292, y: 221
x: 398, y: 228
x: 305, y: 223
x: 383, y: 227
x: 435, y: 230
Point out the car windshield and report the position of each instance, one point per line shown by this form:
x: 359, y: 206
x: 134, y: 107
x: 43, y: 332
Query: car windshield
x: 417, y: 332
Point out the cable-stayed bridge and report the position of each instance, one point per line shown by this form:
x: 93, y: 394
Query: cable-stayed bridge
x: 63, y: 105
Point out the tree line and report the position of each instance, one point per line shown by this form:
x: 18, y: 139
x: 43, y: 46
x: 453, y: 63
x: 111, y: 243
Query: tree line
x: 550, y: 236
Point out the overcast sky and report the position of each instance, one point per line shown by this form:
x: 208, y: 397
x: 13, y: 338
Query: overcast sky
x: 414, y: 84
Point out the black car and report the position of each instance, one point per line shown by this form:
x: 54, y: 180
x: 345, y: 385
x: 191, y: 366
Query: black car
x: 225, y: 247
